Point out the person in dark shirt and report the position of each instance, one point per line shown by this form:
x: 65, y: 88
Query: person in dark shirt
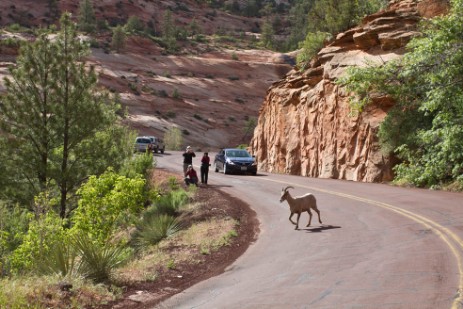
x: 191, y: 178
x: 205, y: 163
x: 188, y: 156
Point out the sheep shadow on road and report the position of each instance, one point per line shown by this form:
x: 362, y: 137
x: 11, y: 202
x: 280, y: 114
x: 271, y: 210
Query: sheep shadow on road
x: 321, y: 228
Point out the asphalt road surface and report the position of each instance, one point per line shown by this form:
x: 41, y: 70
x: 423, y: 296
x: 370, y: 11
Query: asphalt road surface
x: 379, y: 247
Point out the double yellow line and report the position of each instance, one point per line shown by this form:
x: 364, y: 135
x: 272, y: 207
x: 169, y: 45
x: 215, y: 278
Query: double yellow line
x: 453, y: 241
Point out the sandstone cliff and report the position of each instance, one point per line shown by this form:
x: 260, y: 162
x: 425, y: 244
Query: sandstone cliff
x: 305, y: 124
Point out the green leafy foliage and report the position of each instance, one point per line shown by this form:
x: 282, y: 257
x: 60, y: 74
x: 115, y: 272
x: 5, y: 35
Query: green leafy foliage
x: 140, y: 164
x: 105, y: 202
x: 134, y: 25
x: 424, y: 128
x: 118, y: 39
x: 45, y: 232
x: 311, y: 46
x: 14, y: 222
x: 329, y: 17
x: 173, y: 139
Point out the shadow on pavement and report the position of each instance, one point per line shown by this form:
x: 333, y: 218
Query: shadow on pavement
x: 321, y: 228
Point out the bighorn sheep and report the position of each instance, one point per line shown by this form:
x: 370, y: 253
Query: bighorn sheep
x: 298, y: 205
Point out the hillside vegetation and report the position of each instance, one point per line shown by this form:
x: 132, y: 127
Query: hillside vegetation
x: 425, y: 126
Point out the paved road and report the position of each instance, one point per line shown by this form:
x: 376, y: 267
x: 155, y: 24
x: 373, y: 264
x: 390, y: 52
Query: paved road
x: 378, y: 247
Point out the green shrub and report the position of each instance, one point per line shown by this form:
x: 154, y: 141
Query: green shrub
x: 311, y: 46
x: 138, y: 165
x: 176, y: 94
x: 106, y: 202
x: 44, y: 233
x: 173, y: 139
x: 14, y: 222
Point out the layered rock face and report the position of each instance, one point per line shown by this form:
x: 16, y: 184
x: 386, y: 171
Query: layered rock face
x: 306, y: 126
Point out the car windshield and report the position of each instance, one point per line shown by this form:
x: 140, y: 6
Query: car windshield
x: 237, y: 153
x: 143, y: 140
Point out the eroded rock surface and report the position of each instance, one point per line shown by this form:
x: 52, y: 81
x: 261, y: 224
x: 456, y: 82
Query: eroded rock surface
x: 306, y: 126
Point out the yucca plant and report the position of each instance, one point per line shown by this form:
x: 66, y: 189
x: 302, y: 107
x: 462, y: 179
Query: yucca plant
x: 152, y: 229
x: 172, y: 202
x: 60, y: 260
x: 98, y: 261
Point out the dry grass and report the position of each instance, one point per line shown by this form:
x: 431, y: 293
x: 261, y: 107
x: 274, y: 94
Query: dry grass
x: 48, y: 292
x: 187, y: 246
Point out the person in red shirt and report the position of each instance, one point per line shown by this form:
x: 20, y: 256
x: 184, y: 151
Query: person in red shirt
x: 191, y: 178
x: 205, y: 163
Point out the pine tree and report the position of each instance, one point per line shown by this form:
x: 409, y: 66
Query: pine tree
x: 61, y: 127
x: 87, y: 19
x: 169, y: 33
x: 118, y: 39
x: 267, y: 36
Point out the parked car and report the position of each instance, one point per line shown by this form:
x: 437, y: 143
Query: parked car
x: 235, y: 160
x: 142, y: 144
x: 158, y: 144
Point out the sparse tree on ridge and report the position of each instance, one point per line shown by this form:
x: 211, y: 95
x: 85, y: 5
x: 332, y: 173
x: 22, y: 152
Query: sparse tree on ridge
x: 169, y: 32
x: 118, y: 39
x: 87, y: 19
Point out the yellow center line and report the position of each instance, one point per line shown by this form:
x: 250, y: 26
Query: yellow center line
x: 443, y: 233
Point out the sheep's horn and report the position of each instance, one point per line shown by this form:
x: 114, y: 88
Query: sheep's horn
x: 285, y: 189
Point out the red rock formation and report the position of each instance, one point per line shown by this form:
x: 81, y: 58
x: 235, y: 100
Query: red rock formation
x: 306, y: 126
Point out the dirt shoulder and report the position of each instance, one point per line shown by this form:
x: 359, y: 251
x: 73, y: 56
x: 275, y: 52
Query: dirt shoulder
x: 214, y: 204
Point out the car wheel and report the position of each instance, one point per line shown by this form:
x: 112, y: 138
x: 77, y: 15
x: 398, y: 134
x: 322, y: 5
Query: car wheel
x: 216, y: 168
x: 225, y: 171
x: 162, y: 151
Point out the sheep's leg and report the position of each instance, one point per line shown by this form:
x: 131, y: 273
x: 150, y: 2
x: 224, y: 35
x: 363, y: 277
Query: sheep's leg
x: 310, y: 217
x: 297, y: 224
x: 290, y: 216
x: 318, y: 212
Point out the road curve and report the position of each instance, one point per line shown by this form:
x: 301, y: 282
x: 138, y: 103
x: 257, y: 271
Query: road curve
x: 379, y: 247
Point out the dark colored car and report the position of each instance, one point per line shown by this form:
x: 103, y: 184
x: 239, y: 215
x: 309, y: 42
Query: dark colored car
x: 235, y: 160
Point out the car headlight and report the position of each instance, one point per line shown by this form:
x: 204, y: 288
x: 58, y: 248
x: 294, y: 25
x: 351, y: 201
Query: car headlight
x: 228, y: 161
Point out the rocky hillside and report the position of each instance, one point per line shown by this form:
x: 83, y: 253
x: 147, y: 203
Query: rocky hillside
x: 305, y: 124
x: 211, y: 89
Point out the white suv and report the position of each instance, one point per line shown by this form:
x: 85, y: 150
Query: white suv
x: 142, y: 144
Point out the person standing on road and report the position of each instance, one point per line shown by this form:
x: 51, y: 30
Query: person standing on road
x: 188, y: 156
x: 205, y: 163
